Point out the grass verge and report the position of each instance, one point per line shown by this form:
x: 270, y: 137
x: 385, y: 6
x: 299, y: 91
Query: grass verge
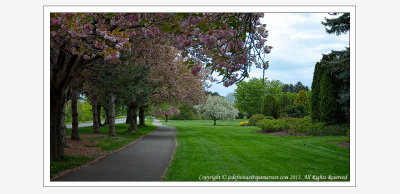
x: 206, y: 151
x: 103, y: 142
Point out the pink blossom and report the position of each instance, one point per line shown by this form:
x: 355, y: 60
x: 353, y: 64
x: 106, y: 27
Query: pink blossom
x: 267, y: 49
x: 195, y: 70
x: 187, y: 42
x: 148, y: 33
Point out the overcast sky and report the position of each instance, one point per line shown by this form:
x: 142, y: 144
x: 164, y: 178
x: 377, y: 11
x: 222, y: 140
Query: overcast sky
x: 298, y: 40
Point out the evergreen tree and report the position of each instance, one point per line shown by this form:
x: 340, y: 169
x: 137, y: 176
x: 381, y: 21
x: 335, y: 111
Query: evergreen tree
x: 270, y: 106
x: 338, y: 25
x: 315, y: 88
x: 284, y: 101
x: 299, y: 86
x: 328, y: 108
x: 302, y: 99
x: 330, y: 99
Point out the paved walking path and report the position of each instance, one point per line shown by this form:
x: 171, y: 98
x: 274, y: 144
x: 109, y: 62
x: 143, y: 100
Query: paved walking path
x: 145, y: 160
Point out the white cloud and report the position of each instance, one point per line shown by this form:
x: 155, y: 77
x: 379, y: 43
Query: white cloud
x: 298, y: 40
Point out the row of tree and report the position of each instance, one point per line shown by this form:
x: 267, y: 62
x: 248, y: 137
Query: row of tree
x: 268, y: 97
x: 144, y: 59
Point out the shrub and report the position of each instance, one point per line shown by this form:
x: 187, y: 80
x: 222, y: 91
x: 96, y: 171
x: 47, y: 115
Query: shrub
x: 296, y: 111
x: 283, y: 115
x: 292, y: 131
x: 286, y: 124
x: 269, y: 125
x: 305, y: 125
x: 245, y: 123
x: 255, y: 118
x: 269, y: 117
x: 306, y: 119
x: 336, y: 130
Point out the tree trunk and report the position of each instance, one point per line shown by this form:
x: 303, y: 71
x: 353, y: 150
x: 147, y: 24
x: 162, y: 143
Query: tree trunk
x: 62, y: 69
x: 111, y: 128
x: 63, y: 128
x: 95, y: 116
x: 128, y: 116
x: 74, y: 107
x: 133, y: 118
x: 142, y: 121
x: 99, y: 114
x: 215, y: 121
x: 106, y: 117
x: 56, y: 139
x: 56, y: 146
x: 166, y: 118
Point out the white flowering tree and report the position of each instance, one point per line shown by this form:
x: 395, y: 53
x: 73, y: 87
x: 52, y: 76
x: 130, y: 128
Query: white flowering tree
x: 217, y: 108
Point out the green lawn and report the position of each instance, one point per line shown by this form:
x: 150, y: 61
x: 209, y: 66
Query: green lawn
x: 229, y: 149
x: 105, y: 143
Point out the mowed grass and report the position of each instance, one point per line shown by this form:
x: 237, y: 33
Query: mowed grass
x: 229, y: 149
x: 106, y: 143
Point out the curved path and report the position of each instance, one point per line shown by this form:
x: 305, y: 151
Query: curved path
x: 91, y: 123
x: 145, y: 160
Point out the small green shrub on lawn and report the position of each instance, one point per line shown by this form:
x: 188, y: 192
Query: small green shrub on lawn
x: 269, y: 125
x: 305, y: 125
x: 255, y: 118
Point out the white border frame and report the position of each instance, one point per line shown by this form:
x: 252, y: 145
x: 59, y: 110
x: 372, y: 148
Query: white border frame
x: 47, y: 9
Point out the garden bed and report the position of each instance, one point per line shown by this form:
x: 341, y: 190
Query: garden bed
x: 341, y: 144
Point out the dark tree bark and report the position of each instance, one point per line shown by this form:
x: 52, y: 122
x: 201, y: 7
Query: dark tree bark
x: 74, y: 107
x: 215, y: 121
x: 95, y: 115
x: 63, y: 128
x: 142, y: 121
x: 60, y: 77
x: 111, y: 128
x: 62, y: 66
x: 56, y: 139
x: 99, y: 114
x: 166, y: 118
x: 133, y: 118
x: 128, y: 116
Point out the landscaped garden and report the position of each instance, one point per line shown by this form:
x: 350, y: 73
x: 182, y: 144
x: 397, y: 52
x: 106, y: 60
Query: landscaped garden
x: 229, y: 149
x: 131, y: 66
